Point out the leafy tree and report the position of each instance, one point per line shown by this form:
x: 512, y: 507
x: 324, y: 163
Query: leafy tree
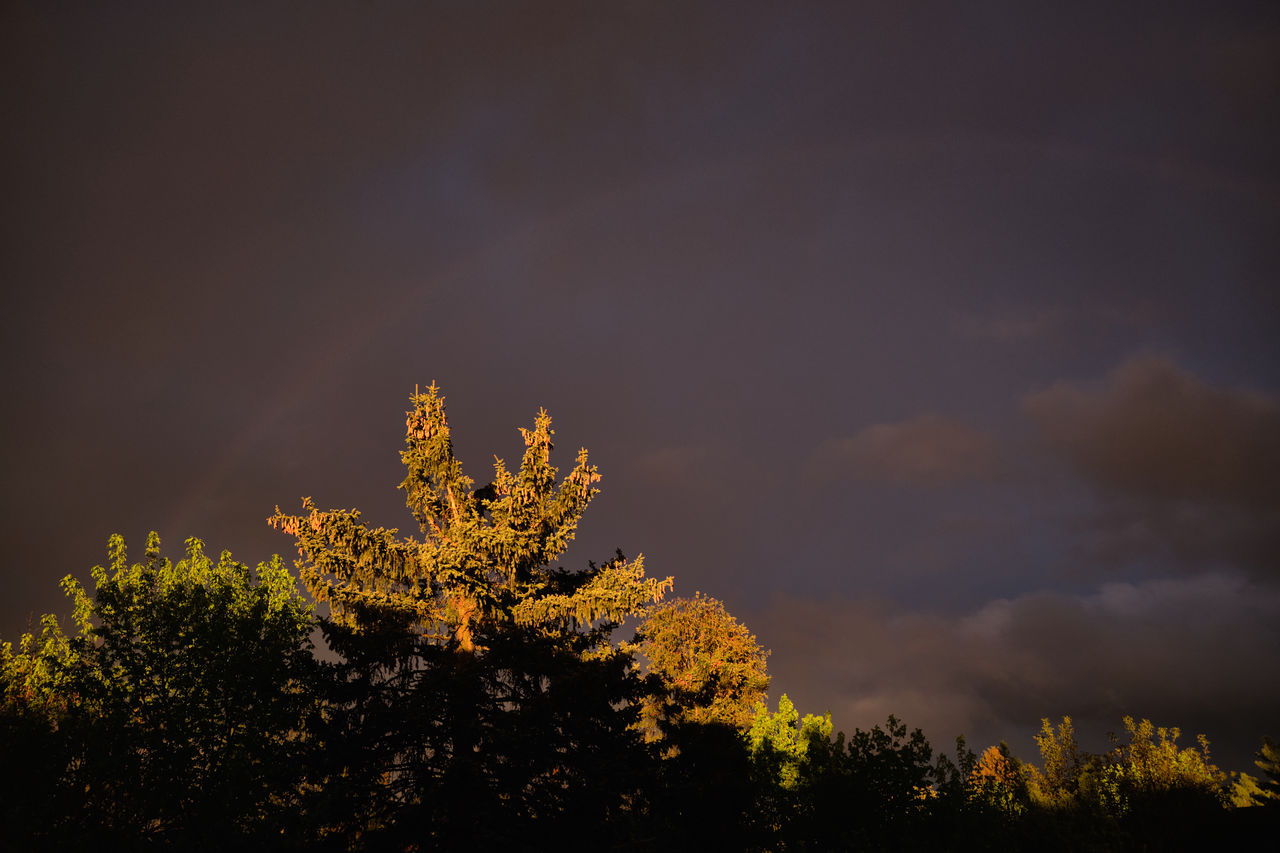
x: 999, y: 781
x: 35, y: 678
x: 34, y: 697
x: 479, y: 698
x: 892, y: 768
x: 1058, y: 783
x: 1153, y: 762
x: 1148, y: 793
x: 873, y: 790
x: 788, y: 753
x: 708, y: 666
x: 1161, y: 794
x: 177, y: 709
x: 780, y: 742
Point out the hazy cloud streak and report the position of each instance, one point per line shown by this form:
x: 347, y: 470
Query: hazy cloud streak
x: 927, y: 450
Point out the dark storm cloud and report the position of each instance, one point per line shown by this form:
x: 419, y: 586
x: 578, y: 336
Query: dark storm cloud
x: 1185, y: 472
x: 1191, y: 652
x: 926, y: 450
x: 1155, y: 431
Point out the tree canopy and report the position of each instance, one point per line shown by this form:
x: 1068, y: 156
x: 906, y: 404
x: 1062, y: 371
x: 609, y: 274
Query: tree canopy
x: 708, y: 666
x: 177, y: 711
x: 470, y: 694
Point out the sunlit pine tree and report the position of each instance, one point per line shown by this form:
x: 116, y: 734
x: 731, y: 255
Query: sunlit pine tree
x: 485, y: 554
x: 480, y: 694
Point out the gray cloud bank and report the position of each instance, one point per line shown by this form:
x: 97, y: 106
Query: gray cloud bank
x: 1155, y: 431
x: 1187, y: 652
x: 1184, y: 472
x: 1163, y: 604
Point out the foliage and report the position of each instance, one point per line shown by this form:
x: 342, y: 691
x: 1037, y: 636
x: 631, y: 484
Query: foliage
x: 892, y: 767
x: 708, y: 666
x: 478, y: 700
x: 708, y: 794
x: 1268, y: 761
x: 999, y: 781
x: 873, y: 790
x: 33, y: 698
x: 178, y: 708
x: 1246, y: 792
x: 1058, y: 782
x: 34, y: 679
x: 484, y: 555
x: 780, y: 742
x: 479, y: 696
x: 1146, y: 793
x: 1152, y: 763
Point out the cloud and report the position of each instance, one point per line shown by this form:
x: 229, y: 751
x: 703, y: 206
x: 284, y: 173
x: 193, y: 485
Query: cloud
x: 1184, y: 474
x: 1153, y: 430
x: 669, y: 466
x: 927, y: 450
x: 1191, y: 652
x: 1170, y: 535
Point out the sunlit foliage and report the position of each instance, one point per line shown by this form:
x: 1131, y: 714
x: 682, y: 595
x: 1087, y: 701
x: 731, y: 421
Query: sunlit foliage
x: 484, y: 555
x: 708, y: 666
x: 471, y: 696
x: 1057, y: 782
x: 479, y: 695
x: 177, y: 709
x: 1152, y: 763
x: 780, y: 741
x: 999, y: 781
x: 1268, y: 761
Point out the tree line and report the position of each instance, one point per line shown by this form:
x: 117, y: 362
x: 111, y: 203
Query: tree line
x: 471, y: 695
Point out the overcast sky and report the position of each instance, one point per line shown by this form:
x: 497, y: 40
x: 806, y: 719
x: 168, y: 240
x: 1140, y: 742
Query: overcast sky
x: 940, y: 344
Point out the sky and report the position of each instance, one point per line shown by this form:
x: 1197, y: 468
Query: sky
x: 939, y: 341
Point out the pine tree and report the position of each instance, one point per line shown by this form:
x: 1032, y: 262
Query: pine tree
x: 1268, y: 761
x: 479, y: 694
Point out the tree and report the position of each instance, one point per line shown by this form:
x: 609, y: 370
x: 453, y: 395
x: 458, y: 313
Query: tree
x: 873, y: 790
x: 34, y: 697
x: 780, y: 742
x: 1059, y: 781
x: 1152, y: 761
x: 1246, y: 792
x: 708, y: 667
x: 999, y: 781
x: 479, y: 696
x: 1161, y: 793
x: 177, y: 708
x: 1268, y: 761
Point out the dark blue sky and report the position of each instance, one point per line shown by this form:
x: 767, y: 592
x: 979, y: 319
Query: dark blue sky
x: 939, y: 343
